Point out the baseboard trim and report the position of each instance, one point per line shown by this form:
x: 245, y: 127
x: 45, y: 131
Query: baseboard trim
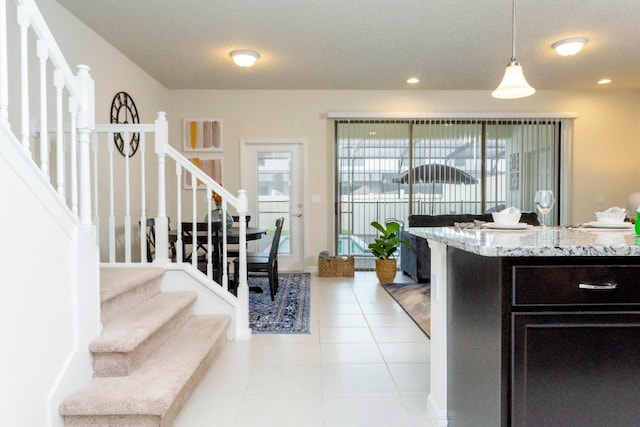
x: 437, y: 416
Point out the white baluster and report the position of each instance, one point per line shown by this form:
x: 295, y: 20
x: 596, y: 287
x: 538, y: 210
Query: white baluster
x: 194, y: 223
x: 112, y: 218
x: 43, y: 56
x: 223, y: 224
x: 58, y: 81
x: 73, y: 155
x: 209, y: 232
x: 179, y: 254
x: 127, y: 197
x: 96, y: 214
x: 24, y: 22
x: 143, y: 201
x: 143, y: 238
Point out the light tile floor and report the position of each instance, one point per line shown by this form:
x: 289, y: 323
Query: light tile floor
x: 365, y: 364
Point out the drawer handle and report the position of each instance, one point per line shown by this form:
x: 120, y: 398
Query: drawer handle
x: 602, y: 287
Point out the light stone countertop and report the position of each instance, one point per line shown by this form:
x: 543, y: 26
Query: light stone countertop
x: 536, y: 241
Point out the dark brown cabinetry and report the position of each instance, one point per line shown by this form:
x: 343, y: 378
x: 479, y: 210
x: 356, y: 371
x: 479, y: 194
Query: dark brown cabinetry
x: 576, y: 369
x: 543, y: 341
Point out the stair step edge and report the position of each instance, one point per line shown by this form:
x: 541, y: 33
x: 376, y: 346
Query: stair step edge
x: 153, y: 386
x: 125, y: 333
x: 118, y: 280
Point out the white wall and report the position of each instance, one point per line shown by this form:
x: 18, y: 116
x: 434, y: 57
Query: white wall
x: 44, y: 329
x: 607, y: 136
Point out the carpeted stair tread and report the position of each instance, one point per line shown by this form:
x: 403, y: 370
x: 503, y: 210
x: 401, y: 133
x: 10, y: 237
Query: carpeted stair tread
x: 128, y: 331
x: 116, y: 281
x: 155, y: 384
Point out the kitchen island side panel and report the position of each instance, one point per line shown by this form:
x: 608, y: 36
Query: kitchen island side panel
x: 476, y: 388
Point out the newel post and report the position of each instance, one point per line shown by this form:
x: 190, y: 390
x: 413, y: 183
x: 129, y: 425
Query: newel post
x: 242, y: 307
x: 162, y: 222
x: 86, y: 123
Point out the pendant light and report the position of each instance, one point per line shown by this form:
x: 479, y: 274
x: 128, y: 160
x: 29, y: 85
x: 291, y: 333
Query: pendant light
x: 513, y: 84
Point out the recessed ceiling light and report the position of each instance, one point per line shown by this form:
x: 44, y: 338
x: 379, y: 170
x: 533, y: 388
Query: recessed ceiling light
x: 570, y: 46
x: 244, y: 58
x: 413, y: 80
x: 604, y: 81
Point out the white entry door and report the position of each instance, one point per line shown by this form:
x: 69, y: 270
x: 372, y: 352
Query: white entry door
x: 272, y: 174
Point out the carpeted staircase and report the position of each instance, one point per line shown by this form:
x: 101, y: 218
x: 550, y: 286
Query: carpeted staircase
x: 150, y: 355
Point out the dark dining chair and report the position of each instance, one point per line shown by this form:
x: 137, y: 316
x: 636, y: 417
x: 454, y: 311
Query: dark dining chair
x: 189, y: 239
x: 150, y: 229
x: 236, y: 219
x: 233, y: 251
x: 262, y: 263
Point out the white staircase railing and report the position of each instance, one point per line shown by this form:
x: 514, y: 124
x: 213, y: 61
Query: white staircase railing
x: 69, y: 157
x: 70, y: 171
x: 119, y: 235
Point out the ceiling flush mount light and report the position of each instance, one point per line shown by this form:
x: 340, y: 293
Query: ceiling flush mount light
x: 413, y: 80
x: 513, y: 84
x: 604, y: 81
x: 244, y: 58
x: 570, y: 46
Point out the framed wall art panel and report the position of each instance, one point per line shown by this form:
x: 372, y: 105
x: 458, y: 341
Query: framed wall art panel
x: 202, y: 135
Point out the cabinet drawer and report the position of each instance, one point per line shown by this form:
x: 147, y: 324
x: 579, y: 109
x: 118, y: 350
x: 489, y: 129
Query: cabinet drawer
x: 576, y: 285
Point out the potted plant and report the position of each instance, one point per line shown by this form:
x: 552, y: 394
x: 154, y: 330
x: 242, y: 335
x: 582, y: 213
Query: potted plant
x: 385, y: 245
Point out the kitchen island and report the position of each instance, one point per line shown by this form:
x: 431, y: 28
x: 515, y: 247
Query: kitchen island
x: 534, y: 327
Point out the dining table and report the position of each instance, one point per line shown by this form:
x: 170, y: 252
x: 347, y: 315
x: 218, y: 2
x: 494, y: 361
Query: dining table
x: 233, y: 237
x: 233, y: 234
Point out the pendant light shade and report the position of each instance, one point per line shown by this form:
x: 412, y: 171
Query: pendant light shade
x: 513, y: 84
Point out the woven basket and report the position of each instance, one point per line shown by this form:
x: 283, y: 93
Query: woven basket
x: 326, y: 267
x: 386, y: 270
x: 344, y: 265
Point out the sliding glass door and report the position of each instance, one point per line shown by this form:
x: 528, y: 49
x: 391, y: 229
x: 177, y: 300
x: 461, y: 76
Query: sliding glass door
x: 394, y: 168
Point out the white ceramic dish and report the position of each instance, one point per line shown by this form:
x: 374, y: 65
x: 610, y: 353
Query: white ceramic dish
x: 517, y: 226
x: 613, y: 225
x: 611, y: 216
x: 506, y: 218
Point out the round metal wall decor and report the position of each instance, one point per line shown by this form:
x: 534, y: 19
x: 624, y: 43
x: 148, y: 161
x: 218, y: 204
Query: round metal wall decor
x: 124, y: 111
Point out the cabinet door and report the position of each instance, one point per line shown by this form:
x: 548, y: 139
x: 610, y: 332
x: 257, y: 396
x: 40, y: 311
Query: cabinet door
x: 575, y: 369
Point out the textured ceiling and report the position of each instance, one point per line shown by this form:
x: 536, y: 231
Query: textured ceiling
x: 370, y: 44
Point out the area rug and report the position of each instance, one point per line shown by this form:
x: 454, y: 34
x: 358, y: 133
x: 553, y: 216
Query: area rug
x: 289, y: 313
x: 415, y: 299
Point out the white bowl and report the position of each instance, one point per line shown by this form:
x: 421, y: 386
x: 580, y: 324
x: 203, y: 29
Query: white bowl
x: 611, y: 217
x: 506, y: 218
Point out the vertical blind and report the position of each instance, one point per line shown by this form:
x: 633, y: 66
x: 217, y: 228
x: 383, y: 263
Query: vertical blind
x: 390, y: 169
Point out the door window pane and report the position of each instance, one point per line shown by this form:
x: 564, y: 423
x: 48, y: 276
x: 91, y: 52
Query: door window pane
x: 274, y: 199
